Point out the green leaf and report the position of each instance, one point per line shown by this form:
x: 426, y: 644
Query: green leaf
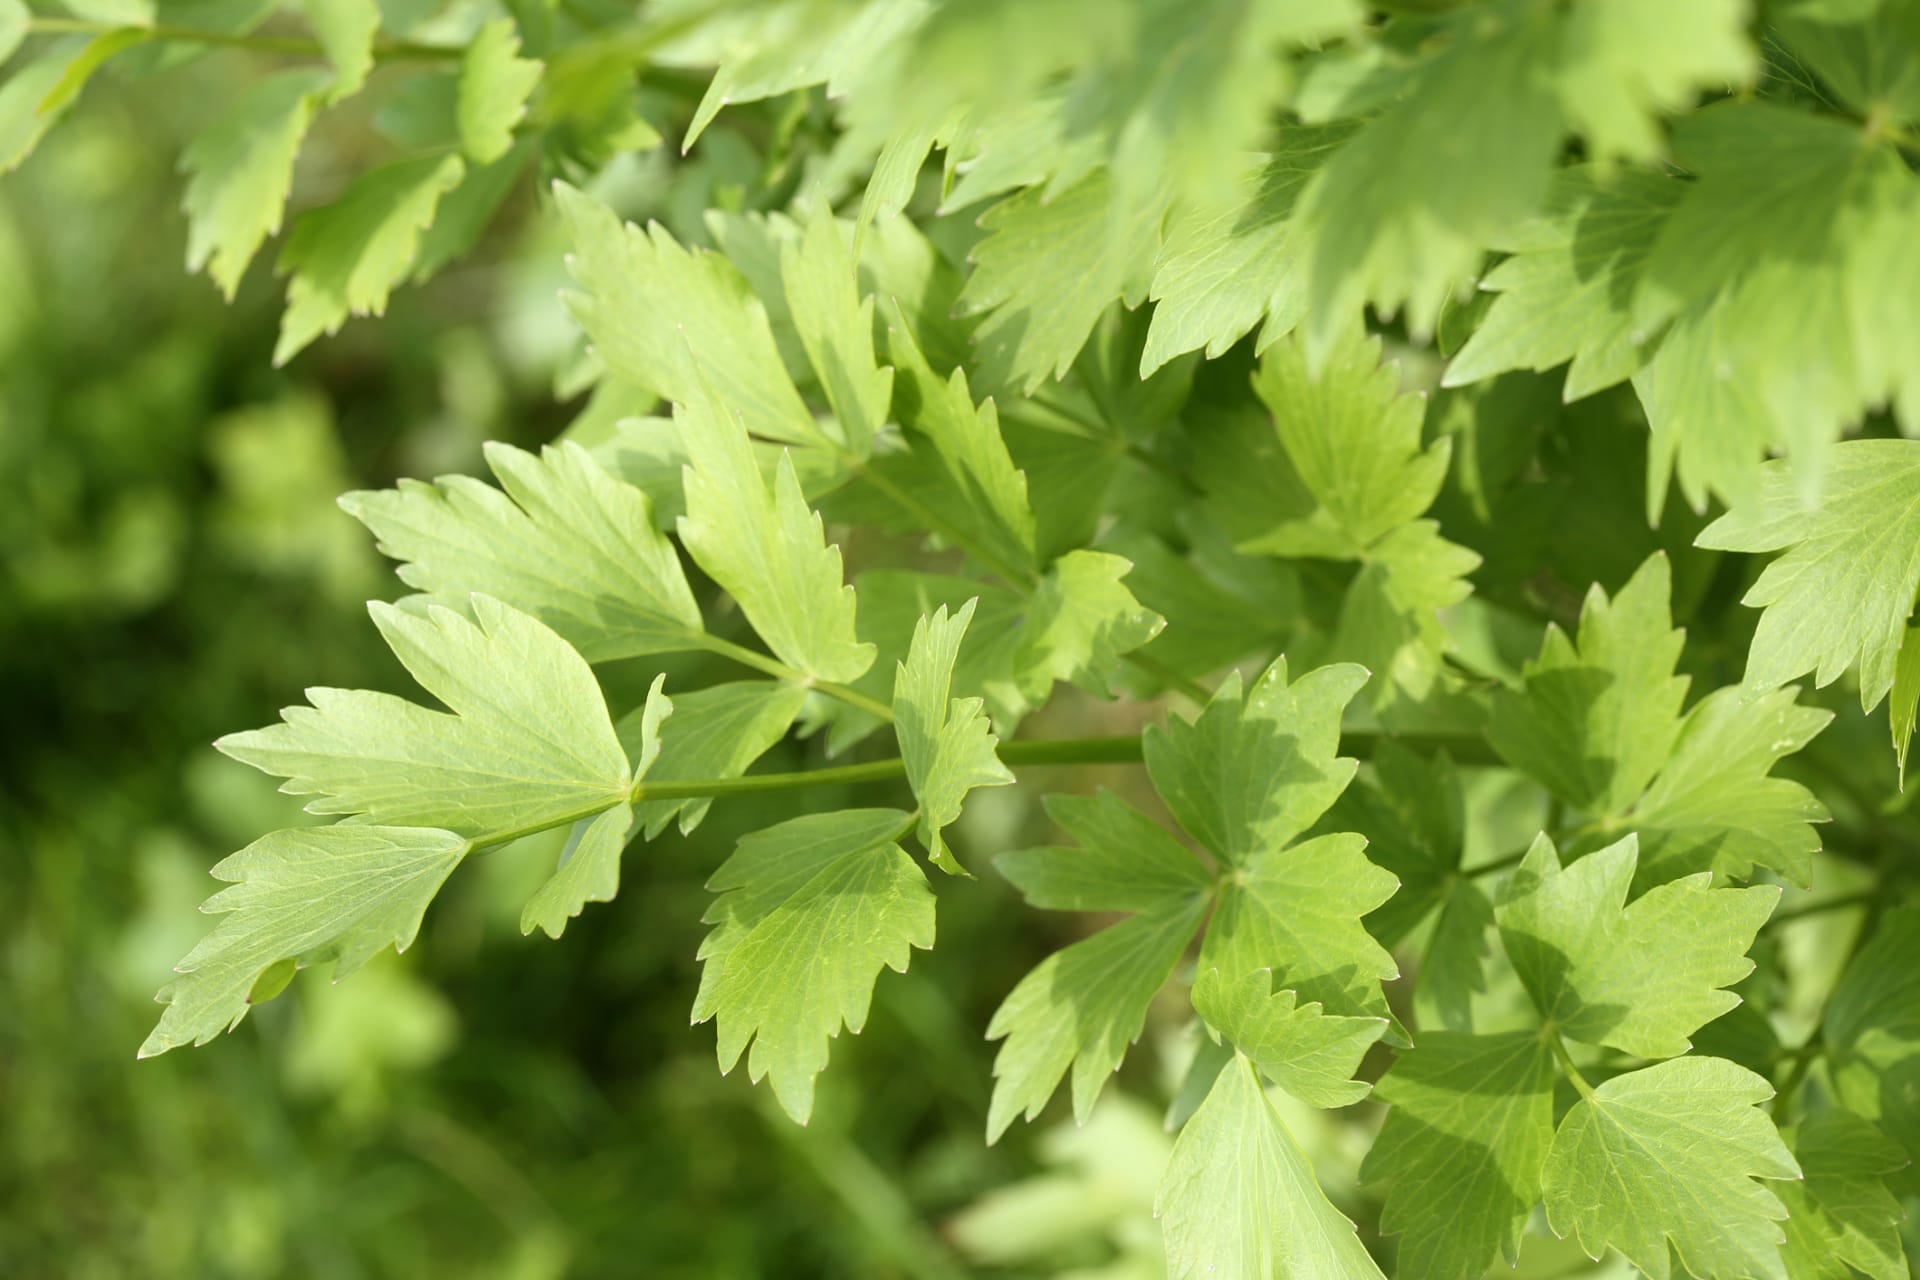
x: 495, y: 83
x: 1080, y: 620
x: 1228, y: 265
x: 1240, y: 1198
x: 1306, y: 1052
x: 1125, y: 862
x: 1713, y: 807
x: 1566, y: 293
x: 22, y: 123
x: 1298, y: 910
x: 1354, y: 443
x: 1872, y: 1030
x: 346, y: 257
x: 1842, y: 591
x: 1390, y: 221
x: 1595, y: 720
x: 1081, y: 1007
x: 528, y: 744
x: 661, y: 317
x: 1625, y: 63
x: 346, y: 29
x: 589, y: 869
x: 809, y: 913
x: 766, y: 547
x: 1842, y: 1219
x: 1255, y: 771
x: 73, y: 79
x: 836, y: 327
x: 1469, y: 1121
x: 1667, y: 1157
x: 240, y: 172
x: 716, y: 732
x: 945, y: 742
x: 1049, y: 266
x: 14, y: 20
x: 978, y: 488
x: 1641, y: 977
x: 565, y: 542
x: 341, y: 893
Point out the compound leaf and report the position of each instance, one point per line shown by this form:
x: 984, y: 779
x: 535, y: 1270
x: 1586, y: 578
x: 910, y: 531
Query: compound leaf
x: 1310, y: 1054
x: 495, y: 82
x: 946, y: 743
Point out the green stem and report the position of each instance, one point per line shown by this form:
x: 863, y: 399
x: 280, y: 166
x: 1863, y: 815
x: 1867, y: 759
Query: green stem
x: 1803, y: 1059
x: 1168, y: 676
x: 1551, y: 1034
x: 1498, y: 864
x: 781, y: 671
x: 290, y: 46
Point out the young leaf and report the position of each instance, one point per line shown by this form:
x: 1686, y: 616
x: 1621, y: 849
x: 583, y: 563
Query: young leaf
x: 1080, y: 620
x: 565, y: 542
x: 945, y: 742
x: 346, y: 257
x: 767, y: 549
x: 1469, y: 1121
x: 1255, y: 771
x: 346, y: 29
x: 1306, y: 1052
x: 1641, y: 977
x: 589, y: 869
x: 528, y: 743
x: 836, y: 327
x: 716, y: 732
x: 652, y: 309
x: 1596, y: 719
x: 343, y: 893
x: 1667, y: 1157
x: 809, y: 913
x: 240, y: 171
x: 1049, y: 266
x: 495, y: 82
x: 1842, y: 591
x: 1240, y: 1198
x: 14, y: 20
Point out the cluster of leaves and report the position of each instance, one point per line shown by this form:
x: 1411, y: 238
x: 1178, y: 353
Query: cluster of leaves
x: 1694, y: 245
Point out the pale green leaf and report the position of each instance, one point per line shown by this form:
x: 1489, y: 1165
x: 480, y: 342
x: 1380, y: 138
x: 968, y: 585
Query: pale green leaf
x: 716, y: 732
x: 1666, y: 1157
x: 836, y: 327
x: 1469, y: 1121
x: 346, y: 29
x: 1305, y: 1051
x: 527, y: 744
x: 1594, y: 721
x: 1390, y: 617
x: 341, y: 893
x: 1080, y: 620
x: 589, y: 869
x: 565, y: 542
x: 14, y: 17
x: 765, y: 546
x: 1640, y: 976
x: 1240, y: 1198
x: 809, y: 912
x: 945, y: 742
x: 240, y: 171
x: 1125, y: 862
x: 1256, y: 770
x: 1713, y: 807
x: 1298, y: 910
x: 1081, y: 1007
x: 495, y: 83
x: 346, y: 257
x: 1048, y: 268
x: 1841, y: 593
x: 1843, y: 1219
x: 660, y: 316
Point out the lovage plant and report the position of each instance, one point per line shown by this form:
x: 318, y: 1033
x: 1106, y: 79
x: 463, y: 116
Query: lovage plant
x: 1430, y: 439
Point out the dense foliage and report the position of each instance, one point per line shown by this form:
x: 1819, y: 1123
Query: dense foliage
x: 1407, y: 455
